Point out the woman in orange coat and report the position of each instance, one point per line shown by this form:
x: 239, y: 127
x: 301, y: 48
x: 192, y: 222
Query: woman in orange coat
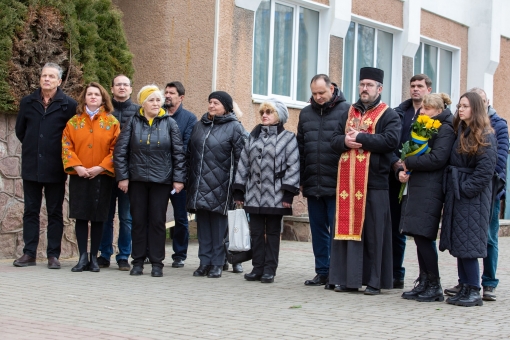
x: 87, y: 154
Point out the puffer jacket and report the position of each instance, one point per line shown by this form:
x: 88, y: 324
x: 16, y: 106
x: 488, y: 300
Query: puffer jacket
x: 501, y: 131
x: 123, y: 111
x: 268, y: 171
x: 423, y: 204
x: 150, y: 153
x: 468, y: 195
x: 319, y: 162
x: 213, y: 152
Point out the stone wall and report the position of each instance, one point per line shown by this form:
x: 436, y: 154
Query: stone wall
x: 11, y: 200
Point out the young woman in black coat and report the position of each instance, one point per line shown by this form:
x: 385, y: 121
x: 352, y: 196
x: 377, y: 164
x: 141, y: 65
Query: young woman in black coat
x: 423, y: 203
x: 468, y: 196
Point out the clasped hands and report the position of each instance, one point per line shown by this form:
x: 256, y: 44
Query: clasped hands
x: 89, y: 173
x: 350, y: 139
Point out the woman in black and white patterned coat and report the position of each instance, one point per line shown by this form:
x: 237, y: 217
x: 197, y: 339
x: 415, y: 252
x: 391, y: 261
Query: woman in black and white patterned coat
x: 266, y: 182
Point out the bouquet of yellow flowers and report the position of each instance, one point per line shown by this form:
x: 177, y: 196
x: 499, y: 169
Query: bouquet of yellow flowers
x: 422, y: 130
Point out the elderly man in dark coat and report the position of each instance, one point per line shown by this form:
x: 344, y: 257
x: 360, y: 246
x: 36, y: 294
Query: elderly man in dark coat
x: 41, y: 119
x: 365, y: 138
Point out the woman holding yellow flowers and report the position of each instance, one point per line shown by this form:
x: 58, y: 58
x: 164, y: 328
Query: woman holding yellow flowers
x: 423, y: 198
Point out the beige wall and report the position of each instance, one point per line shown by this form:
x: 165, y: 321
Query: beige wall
x: 501, y: 100
x: 172, y: 40
x: 388, y: 11
x: 450, y: 32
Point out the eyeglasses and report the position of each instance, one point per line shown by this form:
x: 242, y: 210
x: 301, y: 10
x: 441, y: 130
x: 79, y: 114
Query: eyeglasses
x: 463, y: 107
x: 122, y: 84
x: 267, y: 112
x: 367, y: 85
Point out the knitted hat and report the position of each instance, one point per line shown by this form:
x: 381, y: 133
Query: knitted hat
x: 281, y: 109
x: 371, y: 73
x: 224, y: 99
x: 145, y: 92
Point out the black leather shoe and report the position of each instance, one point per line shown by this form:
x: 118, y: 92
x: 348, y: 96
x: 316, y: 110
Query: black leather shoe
x: 329, y: 286
x: 344, y: 289
x: 83, y: 263
x: 318, y: 280
x: 93, y: 266
x: 215, y: 272
x: 202, y: 270
x: 371, y: 291
x: 452, y: 300
x: 398, y: 284
x: 157, y: 271
x: 420, y: 286
x: 267, y: 278
x: 237, y: 268
x: 252, y: 276
x: 178, y: 263
x: 136, y: 271
x: 24, y: 261
x: 470, y: 298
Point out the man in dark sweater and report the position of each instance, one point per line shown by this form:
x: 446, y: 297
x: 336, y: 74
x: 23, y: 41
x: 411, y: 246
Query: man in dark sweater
x: 174, y: 95
x: 124, y: 110
x: 408, y: 110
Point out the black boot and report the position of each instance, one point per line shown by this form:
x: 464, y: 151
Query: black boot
x: 83, y: 263
x: 215, y: 272
x: 452, y: 300
x: 93, y: 265
x: 434, y: 292
x: 420, y: 285
x: 470, y: 298
x: 202, y: 270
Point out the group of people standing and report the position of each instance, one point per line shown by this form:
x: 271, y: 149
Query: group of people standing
x: 345, y: 159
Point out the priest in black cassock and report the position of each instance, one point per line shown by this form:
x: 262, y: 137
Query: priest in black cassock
x: 361, y: 252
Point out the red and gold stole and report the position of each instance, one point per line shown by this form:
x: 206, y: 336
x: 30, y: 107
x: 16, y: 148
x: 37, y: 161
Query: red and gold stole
x: 352, y: 177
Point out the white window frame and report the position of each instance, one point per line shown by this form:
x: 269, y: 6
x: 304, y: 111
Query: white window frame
x: 456, y: 61
x: 396, y: 53
x: 322, y: 50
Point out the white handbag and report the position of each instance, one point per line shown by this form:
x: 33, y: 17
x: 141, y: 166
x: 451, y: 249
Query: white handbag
x: 238, y: 231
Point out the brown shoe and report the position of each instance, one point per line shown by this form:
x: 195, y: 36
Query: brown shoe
x: 53, y: 263
x: 24, y: 261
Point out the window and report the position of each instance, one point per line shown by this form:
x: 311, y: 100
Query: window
x: 285, y: 50
x: 366, y: 46
x: 436, y: 63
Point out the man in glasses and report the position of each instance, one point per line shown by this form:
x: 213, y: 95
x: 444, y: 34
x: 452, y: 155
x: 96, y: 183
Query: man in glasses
x: 365, y: 139
x: 124, y: 110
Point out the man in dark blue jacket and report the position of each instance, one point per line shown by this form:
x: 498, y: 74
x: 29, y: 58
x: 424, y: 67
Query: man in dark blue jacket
x: 124, y: 110
x: 174, y: 95
x: 42, y: 117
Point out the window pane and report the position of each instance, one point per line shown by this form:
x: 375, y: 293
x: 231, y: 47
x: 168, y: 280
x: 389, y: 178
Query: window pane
x: 430, y: 64
x: 261, y: 48
x: 417, y: 60
x: 445, y: 72
x: 348, y: 87
x: 282, y: 49
x: 384, y: 59
x: 366, y: 39
x: 307, y: 55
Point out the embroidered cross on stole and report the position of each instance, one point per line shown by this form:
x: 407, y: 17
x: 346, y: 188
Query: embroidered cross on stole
x: 352, y: 177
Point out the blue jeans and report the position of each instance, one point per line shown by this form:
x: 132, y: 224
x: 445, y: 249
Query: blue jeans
x: 490, y: 263
x: 124, y: 241
x: 321, y: 212
x: 181, y: 231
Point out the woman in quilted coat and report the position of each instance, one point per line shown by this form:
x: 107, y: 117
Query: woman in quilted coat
x: 214, y: 149
x: 468, y: 196
x: 266, y: 182
x: 423, y: 203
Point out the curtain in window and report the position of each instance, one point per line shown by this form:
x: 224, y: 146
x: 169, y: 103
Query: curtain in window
x: 261, y: 48
x: 417, y: 60
x: 445, y: 71
x: 349, y: 87
x: 366, y: 39
x: 307, y: 51
x: 430, y: 64
x: 282, y: 49
x: 384, y: 61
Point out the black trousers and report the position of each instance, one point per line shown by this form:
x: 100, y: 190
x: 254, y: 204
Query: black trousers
x: 149, y: 202
x: 54, y: 195
x: 427, y: 255
x: 211, y: 228
x: 265, y: 237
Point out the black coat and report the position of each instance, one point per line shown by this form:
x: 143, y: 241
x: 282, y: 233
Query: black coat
x: 212, y: 156
x: 123, y: 111
x: 40, y: 133
x: 423, y: 204
x: 148, y: 153
x: 468, y: 195
x: 318, y: 160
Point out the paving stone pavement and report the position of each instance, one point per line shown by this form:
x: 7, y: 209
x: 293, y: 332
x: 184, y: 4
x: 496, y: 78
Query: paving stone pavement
x: 38, y: 303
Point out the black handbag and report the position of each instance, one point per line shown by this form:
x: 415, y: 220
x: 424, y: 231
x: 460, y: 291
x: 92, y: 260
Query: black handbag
x: 237, y: 256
